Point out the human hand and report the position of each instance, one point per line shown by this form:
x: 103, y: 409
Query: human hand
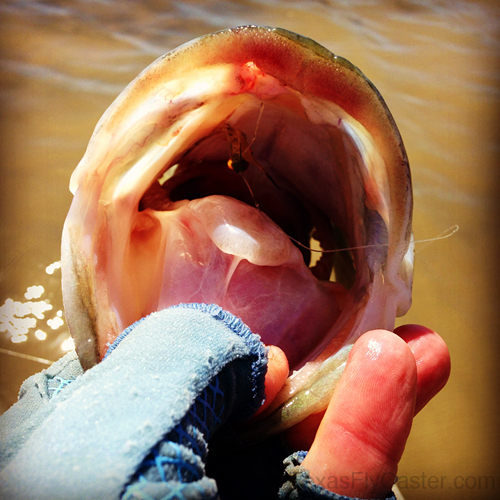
x: 361, y: 436
x: 355, y: 446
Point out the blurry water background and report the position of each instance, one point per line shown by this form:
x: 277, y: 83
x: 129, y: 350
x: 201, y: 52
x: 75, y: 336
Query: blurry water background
x: 437, y: 65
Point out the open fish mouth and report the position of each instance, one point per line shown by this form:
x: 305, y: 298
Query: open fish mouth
x: 159, y: 218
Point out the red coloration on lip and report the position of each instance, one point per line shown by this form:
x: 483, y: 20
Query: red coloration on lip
x: 249, y: 73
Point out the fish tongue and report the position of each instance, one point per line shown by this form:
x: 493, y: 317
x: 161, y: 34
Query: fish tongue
x: 220, y: 250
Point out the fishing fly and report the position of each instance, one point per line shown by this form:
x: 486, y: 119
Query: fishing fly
x: 240, y: 153
x: 239, y: 150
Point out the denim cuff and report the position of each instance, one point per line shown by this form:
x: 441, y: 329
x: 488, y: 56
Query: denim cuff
x: 298, y: 484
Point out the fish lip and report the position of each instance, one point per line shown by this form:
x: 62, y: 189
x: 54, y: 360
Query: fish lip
x: 84, y: 300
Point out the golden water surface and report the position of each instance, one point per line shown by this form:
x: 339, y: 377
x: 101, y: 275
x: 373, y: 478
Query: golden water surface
x: 437, y: 65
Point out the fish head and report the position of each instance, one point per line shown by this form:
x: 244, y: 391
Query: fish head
x: 159, y: 218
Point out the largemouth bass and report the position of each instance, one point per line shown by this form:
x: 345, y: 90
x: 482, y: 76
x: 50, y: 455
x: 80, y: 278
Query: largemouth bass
x: 211, y: 177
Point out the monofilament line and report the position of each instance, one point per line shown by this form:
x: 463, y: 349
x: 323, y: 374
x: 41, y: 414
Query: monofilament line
x: 444, y: 235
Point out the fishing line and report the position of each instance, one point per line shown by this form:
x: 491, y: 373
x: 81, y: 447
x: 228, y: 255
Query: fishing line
x: 443, y: 236
x: 256, y: 128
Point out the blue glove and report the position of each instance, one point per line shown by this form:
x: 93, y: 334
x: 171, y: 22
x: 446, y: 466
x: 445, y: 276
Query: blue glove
x: 139, y: 421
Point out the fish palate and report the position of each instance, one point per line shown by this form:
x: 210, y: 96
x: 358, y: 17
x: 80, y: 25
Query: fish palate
x: 158, y: 217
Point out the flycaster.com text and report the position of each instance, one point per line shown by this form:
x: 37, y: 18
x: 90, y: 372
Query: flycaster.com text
x: 414, y: 482
x: 460, y: 482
